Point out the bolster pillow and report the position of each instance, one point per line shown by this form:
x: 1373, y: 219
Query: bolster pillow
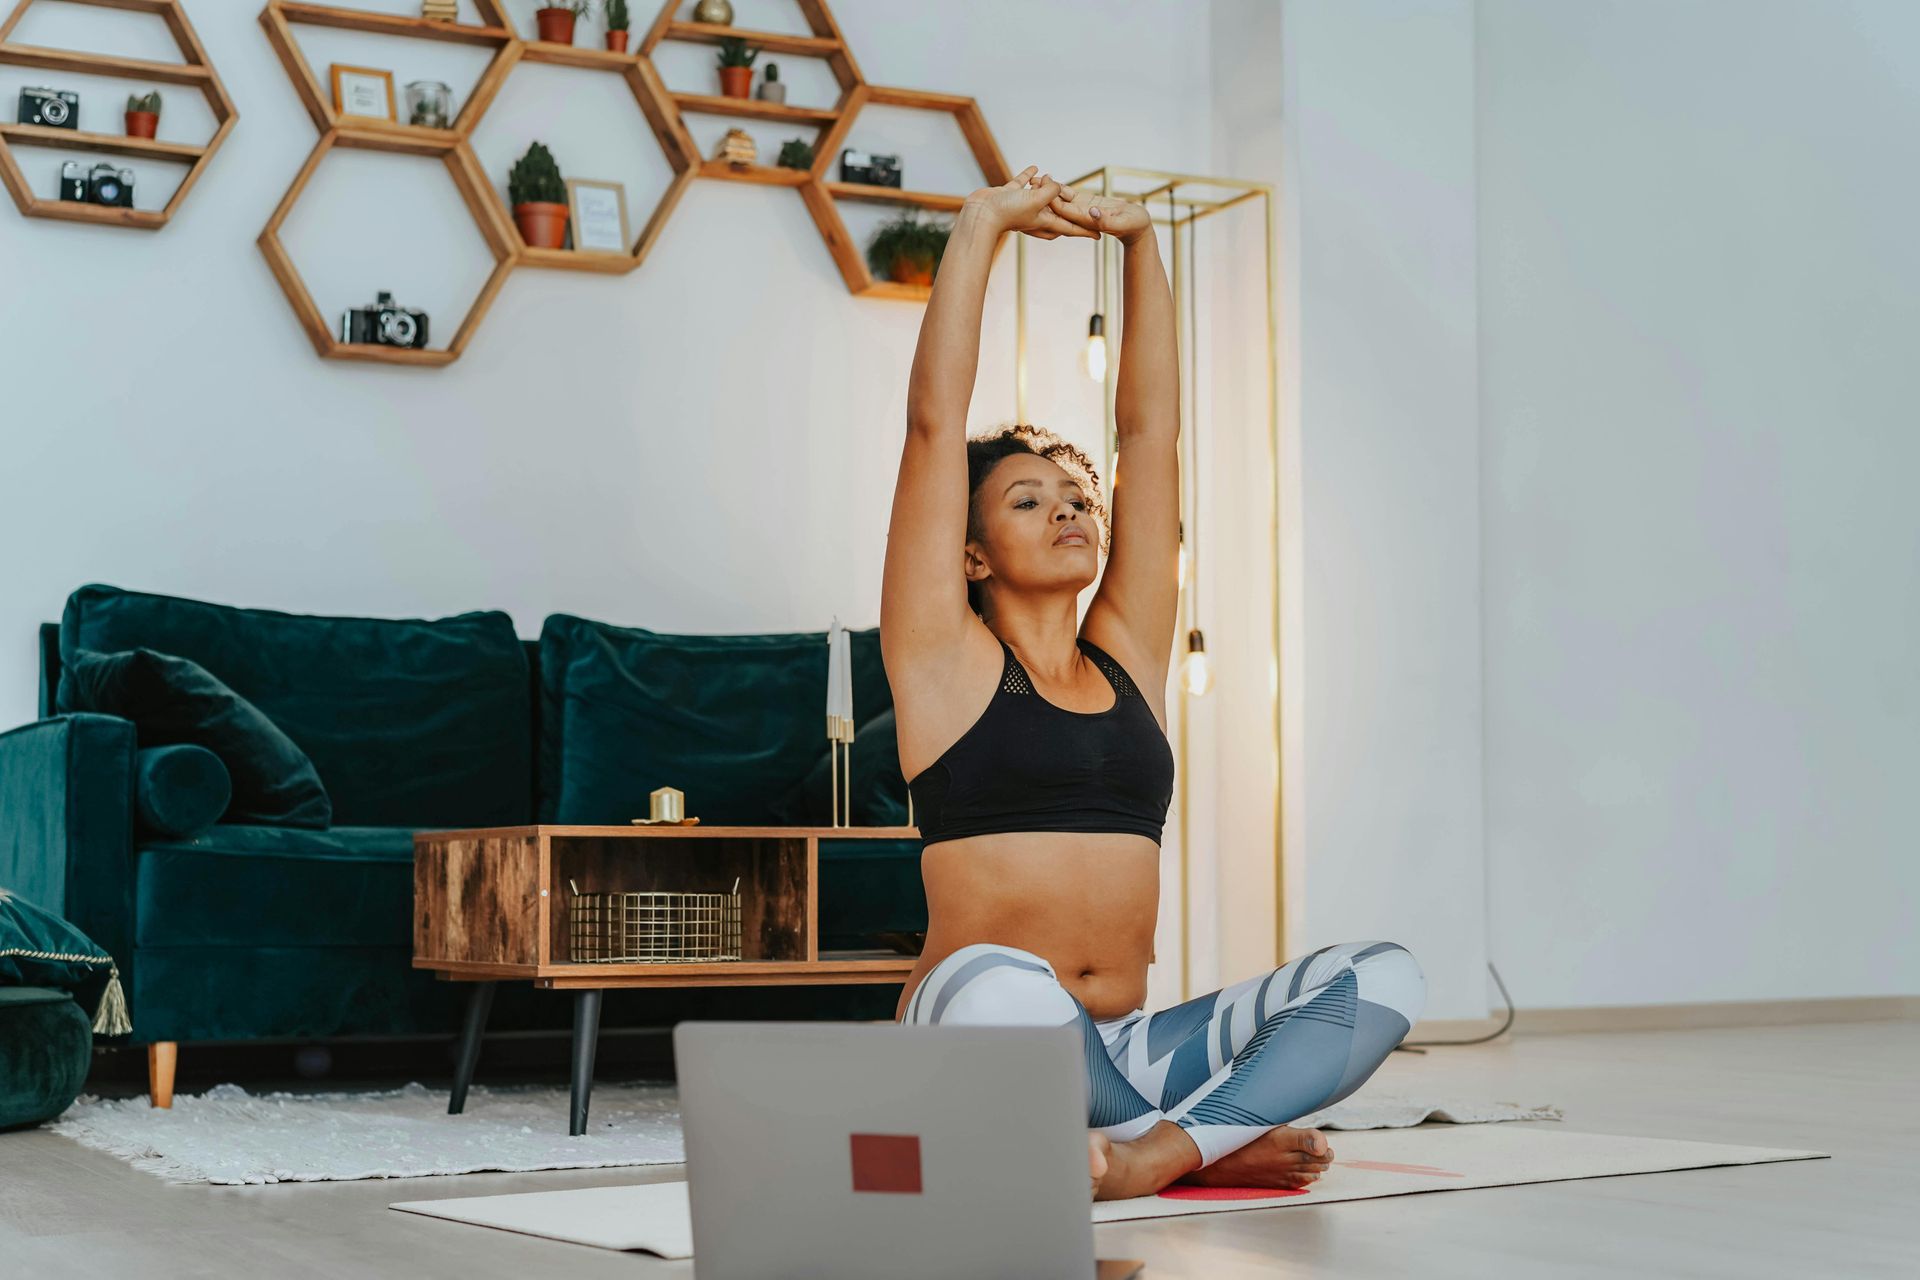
x: 180, y: 790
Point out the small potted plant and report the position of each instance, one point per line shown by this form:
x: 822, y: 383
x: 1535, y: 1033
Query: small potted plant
x: 771, y: 90
x: 796, y: 153
x: 618, y: 21
x: 143, y: 114
x: 907, y: 250
x: 736, y: 67
x: 555, y: 19
x: 539, y: 198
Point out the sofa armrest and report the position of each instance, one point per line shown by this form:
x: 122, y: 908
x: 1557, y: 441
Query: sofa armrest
x: 66, y: 840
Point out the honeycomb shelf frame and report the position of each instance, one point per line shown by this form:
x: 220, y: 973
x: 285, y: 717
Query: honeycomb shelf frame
x: 468, y: 179
x: 664, y: 111
x: 822, y: 195
x: 194, y: 71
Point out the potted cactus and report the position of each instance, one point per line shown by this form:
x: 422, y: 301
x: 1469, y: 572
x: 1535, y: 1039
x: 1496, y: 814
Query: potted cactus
x: 736, y: 67
x: 555, y: 19
x: 143, y: 114
x: 618, y: 22
x: 539, y: 198
x: 771, y: 89
x: 796, y: 153
x: 907, y: 250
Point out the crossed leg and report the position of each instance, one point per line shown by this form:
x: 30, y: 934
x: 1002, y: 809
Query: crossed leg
x: 1226, y: 1067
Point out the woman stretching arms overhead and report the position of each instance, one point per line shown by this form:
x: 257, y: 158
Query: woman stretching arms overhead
x: 1037, y: 751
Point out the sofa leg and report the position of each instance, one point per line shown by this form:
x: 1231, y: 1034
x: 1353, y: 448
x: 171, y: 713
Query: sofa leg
x: 161, y: 1056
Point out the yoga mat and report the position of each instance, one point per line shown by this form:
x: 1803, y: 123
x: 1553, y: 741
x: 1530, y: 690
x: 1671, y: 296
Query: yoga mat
x: 1378, y: 1162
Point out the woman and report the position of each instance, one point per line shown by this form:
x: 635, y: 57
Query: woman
x: 1037, y: 752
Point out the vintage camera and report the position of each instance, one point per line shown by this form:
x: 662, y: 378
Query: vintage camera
x: 54, y: 108
x: 864, y: 166
x: 101, y: 184
x: 385, y: 324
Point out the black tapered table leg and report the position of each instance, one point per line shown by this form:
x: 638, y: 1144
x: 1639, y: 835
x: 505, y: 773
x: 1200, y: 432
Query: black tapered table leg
x: 479, y: 1003
x: 586, y: 1036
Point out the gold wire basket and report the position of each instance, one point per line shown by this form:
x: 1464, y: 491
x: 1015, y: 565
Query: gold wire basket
x: 653, y: 928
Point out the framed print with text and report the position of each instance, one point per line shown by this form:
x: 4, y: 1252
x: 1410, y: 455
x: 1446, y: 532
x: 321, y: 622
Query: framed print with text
x: 365, y: 92
x: 599, y: 216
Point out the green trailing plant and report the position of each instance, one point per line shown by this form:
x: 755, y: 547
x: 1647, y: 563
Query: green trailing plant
x: 149, y: 101
x: 735, y: 53
x: 907, y: 239
x: 796, y: 153
x: 617, y: 17
x: 535, y: 178
x: 578, y: 8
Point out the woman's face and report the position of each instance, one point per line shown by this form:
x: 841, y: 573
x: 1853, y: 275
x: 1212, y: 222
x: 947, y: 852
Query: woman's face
x: 1036, y: 532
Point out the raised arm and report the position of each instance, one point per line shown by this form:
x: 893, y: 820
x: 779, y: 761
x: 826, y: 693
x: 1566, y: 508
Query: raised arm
x: 1133, y: 613
x: 924, y: 618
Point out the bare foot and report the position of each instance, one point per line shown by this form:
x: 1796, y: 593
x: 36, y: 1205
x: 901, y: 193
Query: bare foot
x: 1144, y: 1165
x: 1098, y: 1145
x: 1284, y: 1158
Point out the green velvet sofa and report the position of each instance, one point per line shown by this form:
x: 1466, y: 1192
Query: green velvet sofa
x: 251, y: 932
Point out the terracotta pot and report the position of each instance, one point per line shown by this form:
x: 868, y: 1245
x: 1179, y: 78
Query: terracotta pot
x: 543, y: 224
x: 556, y: 25
x: 907, y: 271
x: 617, y: 41
x: 142, y: 124
x: 736, y: 82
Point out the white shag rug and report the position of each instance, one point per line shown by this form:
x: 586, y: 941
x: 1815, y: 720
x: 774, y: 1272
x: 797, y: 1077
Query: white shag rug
x: 229, y: 1136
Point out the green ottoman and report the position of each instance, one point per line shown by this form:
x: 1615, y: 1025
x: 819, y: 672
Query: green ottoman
x: 46, y: 1044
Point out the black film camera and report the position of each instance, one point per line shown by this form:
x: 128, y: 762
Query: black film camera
x: 864, y: 166
x: 53, y: 108
x: 385, y: 324
x: 106, y: 184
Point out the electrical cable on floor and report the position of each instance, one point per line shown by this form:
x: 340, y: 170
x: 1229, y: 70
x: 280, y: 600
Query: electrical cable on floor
x: 1421, y: 1046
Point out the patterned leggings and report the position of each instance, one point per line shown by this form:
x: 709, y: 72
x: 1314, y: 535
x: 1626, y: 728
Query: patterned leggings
x: 1226, y: 1067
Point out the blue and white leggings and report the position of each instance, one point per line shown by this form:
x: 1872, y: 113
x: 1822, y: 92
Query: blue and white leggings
x: 1226, y: 1067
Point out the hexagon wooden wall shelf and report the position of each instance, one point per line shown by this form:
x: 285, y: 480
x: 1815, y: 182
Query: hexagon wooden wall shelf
x: 679, y: 150
x: 193, y: 71
x: 468, y: 179
x: 820, y: 193
x: 665, y: 115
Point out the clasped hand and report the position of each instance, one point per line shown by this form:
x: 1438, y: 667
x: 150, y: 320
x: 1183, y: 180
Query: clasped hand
x: 1033, y: 204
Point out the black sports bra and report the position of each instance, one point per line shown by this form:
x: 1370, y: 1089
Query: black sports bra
x: 1027, y: 765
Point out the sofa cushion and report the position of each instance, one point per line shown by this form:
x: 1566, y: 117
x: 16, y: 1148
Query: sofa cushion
x: 410, y: 722
x: 174, y: 700
x: 879, y: 792
x: 239, y: 886
x: 180, y: 790
x: 40, y: 949
x: 733, y: 721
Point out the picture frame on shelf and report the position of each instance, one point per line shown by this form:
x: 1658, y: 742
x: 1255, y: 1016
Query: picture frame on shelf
x: 364, y: 93
x: 599, y: 216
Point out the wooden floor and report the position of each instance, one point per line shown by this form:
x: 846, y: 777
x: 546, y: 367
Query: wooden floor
x: 1851, y: 1089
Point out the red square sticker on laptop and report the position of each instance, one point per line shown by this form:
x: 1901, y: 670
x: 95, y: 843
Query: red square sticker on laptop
x: 886, y: 1162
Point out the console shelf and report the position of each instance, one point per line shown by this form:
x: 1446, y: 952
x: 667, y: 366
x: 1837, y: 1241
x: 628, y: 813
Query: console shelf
x: 490, y: 904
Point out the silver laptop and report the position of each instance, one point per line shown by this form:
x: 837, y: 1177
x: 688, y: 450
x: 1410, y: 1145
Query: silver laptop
x: 864, y: 1151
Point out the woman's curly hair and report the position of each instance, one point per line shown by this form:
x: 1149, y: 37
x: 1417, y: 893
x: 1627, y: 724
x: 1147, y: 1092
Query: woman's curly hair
x: 984, y: 452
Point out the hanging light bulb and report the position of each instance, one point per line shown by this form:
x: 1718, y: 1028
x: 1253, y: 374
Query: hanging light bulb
x: 1196, y: 672
x: 1093, y: 360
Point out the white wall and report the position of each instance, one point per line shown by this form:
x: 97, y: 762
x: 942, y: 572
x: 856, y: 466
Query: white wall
x: 1381, y: 677
x: 1700, y: 307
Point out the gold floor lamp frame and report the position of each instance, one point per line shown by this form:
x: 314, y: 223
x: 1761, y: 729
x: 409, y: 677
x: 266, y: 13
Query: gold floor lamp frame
x: 1179, y: 201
